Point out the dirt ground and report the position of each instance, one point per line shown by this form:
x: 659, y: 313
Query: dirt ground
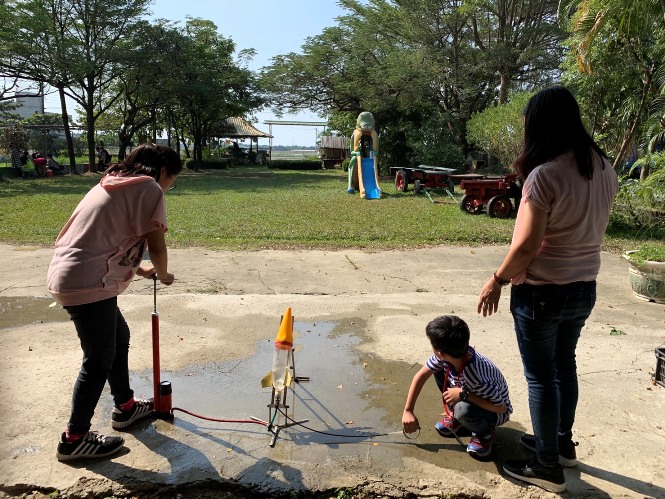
x: 360, y: 320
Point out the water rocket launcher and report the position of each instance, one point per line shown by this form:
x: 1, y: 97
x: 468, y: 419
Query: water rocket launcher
x: 283, y: 346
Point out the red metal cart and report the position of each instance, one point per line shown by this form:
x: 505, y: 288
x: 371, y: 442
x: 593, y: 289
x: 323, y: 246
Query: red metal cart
x: 494, y: 192
x: 422, y: 177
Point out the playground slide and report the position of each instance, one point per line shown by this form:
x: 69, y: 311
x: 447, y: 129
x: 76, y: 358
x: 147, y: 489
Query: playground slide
x: 369, y: 183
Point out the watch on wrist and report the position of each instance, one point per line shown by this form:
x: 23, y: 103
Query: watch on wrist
x: 463, y: 395
x: 499, y: 281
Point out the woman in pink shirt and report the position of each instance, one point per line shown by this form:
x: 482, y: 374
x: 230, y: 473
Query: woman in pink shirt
x: 97, y: 254
x: 553, y: 261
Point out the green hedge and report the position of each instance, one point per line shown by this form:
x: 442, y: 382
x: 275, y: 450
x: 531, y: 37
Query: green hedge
x: 8, y: 172
x: 282, y: 164
x: 210, y: 164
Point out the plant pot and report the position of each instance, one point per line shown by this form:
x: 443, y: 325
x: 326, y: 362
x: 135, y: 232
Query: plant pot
x: 647, y: 279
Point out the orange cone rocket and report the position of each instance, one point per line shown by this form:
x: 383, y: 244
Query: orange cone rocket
x: 280, y: 374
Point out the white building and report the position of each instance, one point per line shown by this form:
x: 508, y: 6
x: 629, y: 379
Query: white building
x: 28, y: 103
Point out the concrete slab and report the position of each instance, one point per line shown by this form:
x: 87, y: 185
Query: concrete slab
x: 360, y: 321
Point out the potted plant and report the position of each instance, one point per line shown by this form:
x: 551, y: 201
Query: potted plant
x: 646, y: 267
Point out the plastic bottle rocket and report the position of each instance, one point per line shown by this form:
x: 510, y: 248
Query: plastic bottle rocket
x: 280, y: 374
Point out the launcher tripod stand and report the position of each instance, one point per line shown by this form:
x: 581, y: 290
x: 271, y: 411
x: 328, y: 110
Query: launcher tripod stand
x: 278, y: 404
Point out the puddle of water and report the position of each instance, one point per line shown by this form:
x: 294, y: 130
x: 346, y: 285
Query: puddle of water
x: 26, y: 310
x: 353, y: 402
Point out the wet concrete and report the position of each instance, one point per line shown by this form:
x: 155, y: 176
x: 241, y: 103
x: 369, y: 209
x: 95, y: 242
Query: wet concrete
x: 351, y: 405
x: 25, y: 310
x: 360, y: 321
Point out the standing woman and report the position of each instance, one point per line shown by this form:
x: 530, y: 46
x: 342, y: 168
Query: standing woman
x: 553, y: 262
x: 97, y: 254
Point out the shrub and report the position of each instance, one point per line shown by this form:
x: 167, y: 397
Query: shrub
x: 499, y: 130
x: 641, y: 205
x: 295, y: 165
x: 210, y: 164
x: 15, y: 136
x: 650, y: 252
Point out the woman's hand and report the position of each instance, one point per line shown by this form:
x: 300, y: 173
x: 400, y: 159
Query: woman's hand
x: 410, y: 422
x: 488, y: 301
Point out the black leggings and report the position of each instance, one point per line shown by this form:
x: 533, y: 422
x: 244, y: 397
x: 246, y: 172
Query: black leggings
x: 104, y: 336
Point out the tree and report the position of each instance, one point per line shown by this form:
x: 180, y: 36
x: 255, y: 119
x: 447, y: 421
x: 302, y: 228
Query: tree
x: 31, y: 52
x: 210, y: 85
x: 146, y: 84
x: 631, y: 34
x: 14, y: 136
x: 521, y: 41
x: 419, y: 65
x: 499, y: 130
x: 42, y: 132
x: 72, y: 45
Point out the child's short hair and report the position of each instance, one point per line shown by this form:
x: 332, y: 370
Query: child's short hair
x: 449, y: 334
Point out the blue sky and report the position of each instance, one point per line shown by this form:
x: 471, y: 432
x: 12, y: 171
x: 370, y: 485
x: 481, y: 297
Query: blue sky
x: 271, y: 27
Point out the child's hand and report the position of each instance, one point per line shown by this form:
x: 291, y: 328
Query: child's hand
x: 146, y: 272
x: 451, y: 395
x: 167, y: 280
x: 410, y: 422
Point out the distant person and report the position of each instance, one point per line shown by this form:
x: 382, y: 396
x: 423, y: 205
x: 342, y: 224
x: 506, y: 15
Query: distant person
x: 27, y: 167
x: 15, y: 154
x: 23, y: 160
x: 39, y: 161
x: 103, y: 159
x: 475, y: 393
x: 53, y: 165
x: 553, y: 262
x: 97, y: 254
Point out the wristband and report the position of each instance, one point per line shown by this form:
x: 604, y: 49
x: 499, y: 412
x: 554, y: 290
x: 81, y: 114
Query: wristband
x: 500, y: 282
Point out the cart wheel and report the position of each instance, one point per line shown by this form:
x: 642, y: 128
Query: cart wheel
x: 401, y: 181
x: 417, y: 188
x: 499, y: 207
x: 469, y: 205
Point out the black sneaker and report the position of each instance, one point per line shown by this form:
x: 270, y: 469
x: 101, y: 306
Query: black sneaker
x: 549, y: 478
x: 567, y: 454
x: 122, y: 419
x: 91, y: 445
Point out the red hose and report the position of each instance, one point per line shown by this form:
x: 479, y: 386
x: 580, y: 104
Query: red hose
x: 220, y: 420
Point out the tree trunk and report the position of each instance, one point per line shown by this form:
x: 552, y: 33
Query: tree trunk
x: 90, y: 123
x: 125, y: 142
x: 503, y: 89
x: 68, y: 132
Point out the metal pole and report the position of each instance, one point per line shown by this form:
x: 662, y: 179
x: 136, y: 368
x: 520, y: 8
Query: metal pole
x: 155, y: 350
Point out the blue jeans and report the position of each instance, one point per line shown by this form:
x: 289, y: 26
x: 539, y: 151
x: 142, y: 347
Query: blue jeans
x: 472, y: 417
x: 548, y: 321
x: 104, y: 337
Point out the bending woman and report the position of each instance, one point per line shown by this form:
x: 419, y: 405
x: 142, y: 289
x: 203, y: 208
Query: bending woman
x: 97, y: 254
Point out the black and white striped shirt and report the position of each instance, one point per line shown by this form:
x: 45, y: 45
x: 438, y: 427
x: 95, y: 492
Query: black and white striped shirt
x: 480, y: 376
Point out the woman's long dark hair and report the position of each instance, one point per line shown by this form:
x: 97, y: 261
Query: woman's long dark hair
x: 553, y: 126
x: 148, y: 159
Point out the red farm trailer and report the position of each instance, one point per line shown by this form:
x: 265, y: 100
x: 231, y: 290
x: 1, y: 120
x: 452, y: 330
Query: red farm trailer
x: 494, y: 192
x: 422, y: 177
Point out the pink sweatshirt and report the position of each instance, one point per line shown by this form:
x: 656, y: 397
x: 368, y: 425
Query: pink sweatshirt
x: 100, y: 248
x: 578, y: 213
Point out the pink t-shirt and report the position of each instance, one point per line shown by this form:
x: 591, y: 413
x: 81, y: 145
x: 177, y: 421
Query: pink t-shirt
x: 578, y: 213
x: 99, y: 249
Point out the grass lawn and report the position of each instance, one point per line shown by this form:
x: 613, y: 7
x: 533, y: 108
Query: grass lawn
x: 249, y: 208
